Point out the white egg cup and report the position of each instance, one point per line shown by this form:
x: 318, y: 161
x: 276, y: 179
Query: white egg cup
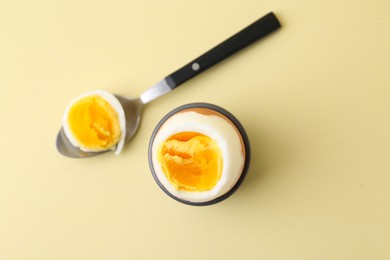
x: 245, y: 145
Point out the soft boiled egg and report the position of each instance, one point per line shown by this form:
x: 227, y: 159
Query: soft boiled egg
x: 95, y: 121
x: 199, y: 154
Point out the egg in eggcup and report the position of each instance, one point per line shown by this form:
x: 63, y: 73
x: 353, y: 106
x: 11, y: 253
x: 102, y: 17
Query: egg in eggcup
x: 199, y: 154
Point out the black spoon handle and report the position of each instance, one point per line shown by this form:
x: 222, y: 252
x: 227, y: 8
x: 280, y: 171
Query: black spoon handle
x: 239, y: 41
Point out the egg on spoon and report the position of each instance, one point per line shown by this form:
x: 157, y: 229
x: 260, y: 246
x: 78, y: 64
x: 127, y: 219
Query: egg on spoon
x: 95, y: 122
x: 199, y: 154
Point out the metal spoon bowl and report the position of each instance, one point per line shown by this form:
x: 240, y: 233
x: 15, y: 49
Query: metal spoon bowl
x: 132, y: 107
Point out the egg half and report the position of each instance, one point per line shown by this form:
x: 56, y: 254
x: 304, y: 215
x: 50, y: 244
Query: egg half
x: 95, y: 121
x: 198, y: 154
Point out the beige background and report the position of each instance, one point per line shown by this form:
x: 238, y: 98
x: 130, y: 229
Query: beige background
x: 314, y: 98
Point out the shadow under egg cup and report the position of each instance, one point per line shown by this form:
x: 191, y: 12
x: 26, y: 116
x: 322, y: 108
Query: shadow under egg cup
x: 206, y: 109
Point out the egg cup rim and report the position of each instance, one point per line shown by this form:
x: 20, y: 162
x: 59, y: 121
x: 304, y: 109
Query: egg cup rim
x: 240, y: 129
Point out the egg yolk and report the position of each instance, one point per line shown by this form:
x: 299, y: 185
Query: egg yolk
x: 94, y: 123
x: 191, y: 161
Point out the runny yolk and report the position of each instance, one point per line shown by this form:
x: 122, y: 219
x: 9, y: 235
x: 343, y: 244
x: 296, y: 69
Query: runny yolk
x: 94, y: 123
x: 191, y: 161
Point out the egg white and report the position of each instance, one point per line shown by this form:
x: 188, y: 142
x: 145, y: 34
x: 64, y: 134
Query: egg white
x: 218, y: 129
x: 115, y: 104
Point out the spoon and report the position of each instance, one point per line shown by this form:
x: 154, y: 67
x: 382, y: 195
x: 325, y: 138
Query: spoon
x: 133, y: 106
